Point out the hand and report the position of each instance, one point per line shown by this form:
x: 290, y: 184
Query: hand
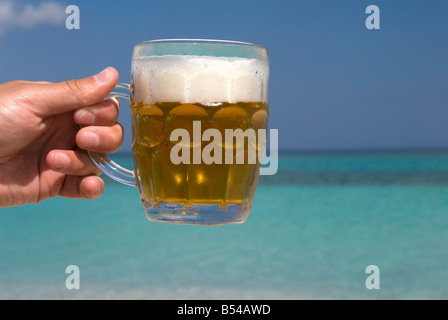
x: 42, y: 146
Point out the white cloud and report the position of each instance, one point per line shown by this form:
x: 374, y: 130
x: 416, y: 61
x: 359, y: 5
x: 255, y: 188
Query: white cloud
x: 25, y: 15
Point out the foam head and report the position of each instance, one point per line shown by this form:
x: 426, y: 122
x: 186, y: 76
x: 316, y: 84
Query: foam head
x: 199, y: 79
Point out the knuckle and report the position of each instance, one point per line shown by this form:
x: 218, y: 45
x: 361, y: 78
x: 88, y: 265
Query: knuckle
x: 106, y: 112
x: 117, y: 137
x: 108, y: 116
x: 17, y: 82
x: 120, y: 131
x: 72, y: 88
x: 17, y: 86
x: 108, y: 120
x: 114, y: 101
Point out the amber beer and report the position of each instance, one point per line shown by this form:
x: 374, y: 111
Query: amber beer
x: 222, y: 183
x: 173, y: 92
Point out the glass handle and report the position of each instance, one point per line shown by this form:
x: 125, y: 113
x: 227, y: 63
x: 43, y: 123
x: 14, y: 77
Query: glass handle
x: 102, y: 160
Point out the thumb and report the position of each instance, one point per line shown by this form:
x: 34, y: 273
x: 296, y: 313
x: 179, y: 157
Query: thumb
x: 57, y: 98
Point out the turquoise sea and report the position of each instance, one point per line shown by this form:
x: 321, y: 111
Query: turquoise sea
x: 314, y: 228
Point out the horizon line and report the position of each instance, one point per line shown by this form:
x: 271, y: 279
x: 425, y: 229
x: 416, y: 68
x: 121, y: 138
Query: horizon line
x: 349, y: 150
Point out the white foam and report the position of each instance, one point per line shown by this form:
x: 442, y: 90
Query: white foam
x: 199, y: 79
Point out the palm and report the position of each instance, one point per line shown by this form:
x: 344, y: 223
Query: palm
x: 24, y: 170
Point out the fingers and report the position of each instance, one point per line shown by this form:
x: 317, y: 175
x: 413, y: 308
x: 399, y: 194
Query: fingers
x: 57, y: 98
x: 104, y: 113
x: 100, y: 138
x: 72, y: 162
x: 102, y: 133
x: 80, y: 174
x: 90, y: 187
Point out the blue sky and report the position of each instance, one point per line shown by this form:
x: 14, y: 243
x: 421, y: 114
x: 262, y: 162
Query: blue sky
x: 334, y: 84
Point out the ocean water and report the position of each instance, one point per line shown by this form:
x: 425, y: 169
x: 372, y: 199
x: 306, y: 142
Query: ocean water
x: 314, y: 228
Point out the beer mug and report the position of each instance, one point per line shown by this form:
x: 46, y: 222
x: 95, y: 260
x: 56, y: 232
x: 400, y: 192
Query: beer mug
x: 197, y: 109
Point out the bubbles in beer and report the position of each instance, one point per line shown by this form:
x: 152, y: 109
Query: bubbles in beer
x: 150, y: 119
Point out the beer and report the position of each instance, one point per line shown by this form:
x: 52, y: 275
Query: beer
x: 216, y: 183
x: 172, y: 92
